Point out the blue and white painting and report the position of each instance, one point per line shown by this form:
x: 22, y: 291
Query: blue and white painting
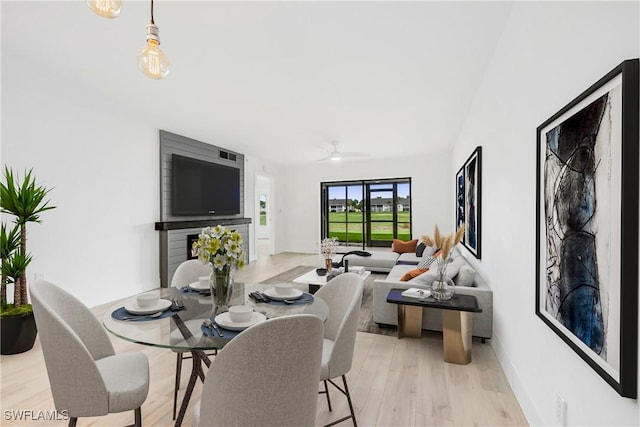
x: 580, y: 175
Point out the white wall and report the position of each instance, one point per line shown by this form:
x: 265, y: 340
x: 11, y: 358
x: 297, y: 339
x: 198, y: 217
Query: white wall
x: 549, y: 53
x: 99, y: 243
x: 431, y: 191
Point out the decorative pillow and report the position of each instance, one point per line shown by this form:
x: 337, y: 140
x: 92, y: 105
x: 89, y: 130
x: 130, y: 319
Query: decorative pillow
x: 426, y: 262
x: 466, y: 276
x: 452, y: 271
x: 429, y: 251
x: 402, y: 247
x: 413, y: 273
x: 420, y: 249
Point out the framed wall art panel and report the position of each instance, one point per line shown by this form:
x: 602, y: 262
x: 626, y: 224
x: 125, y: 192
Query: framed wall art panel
x: 587, y: 226
x: 469, y: 200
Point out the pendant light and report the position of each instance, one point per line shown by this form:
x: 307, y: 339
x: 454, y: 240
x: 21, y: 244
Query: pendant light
x: 151, y: 59
x: 105, y: 8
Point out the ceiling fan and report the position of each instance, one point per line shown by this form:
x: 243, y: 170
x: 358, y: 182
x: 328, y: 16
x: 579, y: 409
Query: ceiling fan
x: 336, y: 155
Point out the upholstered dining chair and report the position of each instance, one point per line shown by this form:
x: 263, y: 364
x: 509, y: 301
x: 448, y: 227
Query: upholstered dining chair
x: 87, y: 378
x: 267, y: 375
x: 343, y: 295
x: 187, y: 272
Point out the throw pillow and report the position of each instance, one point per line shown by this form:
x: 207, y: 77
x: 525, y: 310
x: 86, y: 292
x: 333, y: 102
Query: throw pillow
x: 420, y: 249
x: 452, y: 271
x: 429, y: 251
x: 402, y: 247
x: 426, y: 262
x: 412, y: 273
x: 466, y: 276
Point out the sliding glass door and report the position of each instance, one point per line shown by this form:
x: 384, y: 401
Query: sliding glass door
x: 368, y: 212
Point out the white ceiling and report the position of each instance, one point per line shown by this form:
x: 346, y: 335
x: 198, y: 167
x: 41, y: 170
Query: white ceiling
x: 277, y: 80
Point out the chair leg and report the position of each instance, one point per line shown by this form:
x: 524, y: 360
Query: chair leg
x: 138, y: 417
x: 346, y: 393
x: 346, y: 389
x: 176, y: 386
x: 73, y: 421
x: 326, y: 390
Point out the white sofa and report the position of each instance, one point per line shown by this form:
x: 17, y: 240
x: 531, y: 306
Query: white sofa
x: 387, y: 314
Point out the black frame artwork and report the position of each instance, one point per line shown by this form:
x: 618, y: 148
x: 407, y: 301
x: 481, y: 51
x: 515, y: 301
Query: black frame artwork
x: 468, y: 188
x: 587, y: 226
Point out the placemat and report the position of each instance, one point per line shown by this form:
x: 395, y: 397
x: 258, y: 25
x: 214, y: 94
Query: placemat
x: 121, y: 313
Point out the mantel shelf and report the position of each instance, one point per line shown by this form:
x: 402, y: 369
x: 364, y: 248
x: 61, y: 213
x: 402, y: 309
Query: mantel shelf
x: 180, y: 225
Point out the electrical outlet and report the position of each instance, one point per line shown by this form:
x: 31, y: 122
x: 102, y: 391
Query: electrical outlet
x: 38, y: 276
x: 561, y: 410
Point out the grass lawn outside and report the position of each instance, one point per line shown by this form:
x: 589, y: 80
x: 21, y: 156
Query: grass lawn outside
x: 381, y: 231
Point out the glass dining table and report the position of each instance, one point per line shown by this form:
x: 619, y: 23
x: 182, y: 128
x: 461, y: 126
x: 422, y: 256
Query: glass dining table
x: 182, y: 330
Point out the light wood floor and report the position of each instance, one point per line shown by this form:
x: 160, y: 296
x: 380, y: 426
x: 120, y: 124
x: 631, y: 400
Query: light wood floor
x: 393, y: 382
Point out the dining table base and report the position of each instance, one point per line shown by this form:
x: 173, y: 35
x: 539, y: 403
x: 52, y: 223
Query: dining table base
x: 198, y: 357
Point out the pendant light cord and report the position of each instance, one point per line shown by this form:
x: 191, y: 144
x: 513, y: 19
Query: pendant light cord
x: 152, y: 13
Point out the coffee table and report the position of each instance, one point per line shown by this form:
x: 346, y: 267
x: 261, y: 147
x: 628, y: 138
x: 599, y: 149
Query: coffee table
x: 315, y: 282
x: 457, y: 321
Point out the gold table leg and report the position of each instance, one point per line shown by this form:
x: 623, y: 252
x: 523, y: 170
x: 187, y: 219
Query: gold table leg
x: 456, y: 332
x: 409, y: 321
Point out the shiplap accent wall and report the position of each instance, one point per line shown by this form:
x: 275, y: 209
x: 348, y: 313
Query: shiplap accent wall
x: 173, y: 242
x: 170, y: 144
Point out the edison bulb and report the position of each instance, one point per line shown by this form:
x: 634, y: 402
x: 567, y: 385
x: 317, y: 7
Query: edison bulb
x: 151, y: 59
x: 105, y: 8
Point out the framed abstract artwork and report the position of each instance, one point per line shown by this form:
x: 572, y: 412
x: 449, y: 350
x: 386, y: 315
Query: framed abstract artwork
x: 468, y: 201
x: 587, y: 226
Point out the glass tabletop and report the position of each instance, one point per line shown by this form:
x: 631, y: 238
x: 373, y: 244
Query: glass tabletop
x: 182, y: 330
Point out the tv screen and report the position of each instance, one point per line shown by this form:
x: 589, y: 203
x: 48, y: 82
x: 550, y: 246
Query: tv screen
x: 204, y: 188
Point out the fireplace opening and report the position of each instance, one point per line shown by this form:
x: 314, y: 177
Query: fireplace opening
x: 191, y: 253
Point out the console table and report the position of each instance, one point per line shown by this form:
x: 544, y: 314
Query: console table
x: 457, y: 321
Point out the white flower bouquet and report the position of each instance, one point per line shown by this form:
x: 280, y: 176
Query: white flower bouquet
x: 221, y: 247
x: 329, y: 247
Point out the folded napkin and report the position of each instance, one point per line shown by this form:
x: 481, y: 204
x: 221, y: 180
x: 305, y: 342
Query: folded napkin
x: 305, y: 298
x: 188, y: 290
x: 121, y: 313
x: 210, y: 332
x: 416, y: 293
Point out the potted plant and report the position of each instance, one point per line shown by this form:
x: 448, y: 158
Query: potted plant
x: 25, y: 200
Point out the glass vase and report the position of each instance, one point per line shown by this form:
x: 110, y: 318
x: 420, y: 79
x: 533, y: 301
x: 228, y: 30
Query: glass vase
x: 221, y: 283
x: 328, y: 264
x: 442, y: 288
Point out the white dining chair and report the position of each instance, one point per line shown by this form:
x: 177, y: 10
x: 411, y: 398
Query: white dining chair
x: 266, y: 376
x: 187, y: 272
x: 343, y: 295
x: 87, y: 378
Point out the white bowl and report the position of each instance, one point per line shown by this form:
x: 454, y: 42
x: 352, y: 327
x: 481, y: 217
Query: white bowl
x: 284, y: 288
x: 240, y: 313
x: 203, y: 281
x: 147, y: 300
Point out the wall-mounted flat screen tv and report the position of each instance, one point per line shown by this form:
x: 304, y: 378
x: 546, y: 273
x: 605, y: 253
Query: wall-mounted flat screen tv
x: 204, y: 188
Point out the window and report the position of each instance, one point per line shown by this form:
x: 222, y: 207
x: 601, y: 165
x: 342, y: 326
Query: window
x: 366, y: 212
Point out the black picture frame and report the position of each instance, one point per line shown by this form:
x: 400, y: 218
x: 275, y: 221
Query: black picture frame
x: 468, y: 187
x: 587, y: 252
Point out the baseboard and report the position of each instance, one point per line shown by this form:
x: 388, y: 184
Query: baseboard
x: 519, y: 390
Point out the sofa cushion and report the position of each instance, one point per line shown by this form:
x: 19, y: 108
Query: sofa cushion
x: 413, y: 273
x: 420, y: 249
x: 408, y: 258
x: 398, y: 271
x: 466, y: 276
x: 378, y: 261
x: 402, y: 247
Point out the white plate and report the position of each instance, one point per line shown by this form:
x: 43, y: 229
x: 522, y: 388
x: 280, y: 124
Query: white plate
x: 133, y: 308
x: 196, y: 286
x: 293, y: 294
x: 224, y: 321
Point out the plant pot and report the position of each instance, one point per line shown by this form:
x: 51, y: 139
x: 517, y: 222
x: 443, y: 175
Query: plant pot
x: 18, y: 333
